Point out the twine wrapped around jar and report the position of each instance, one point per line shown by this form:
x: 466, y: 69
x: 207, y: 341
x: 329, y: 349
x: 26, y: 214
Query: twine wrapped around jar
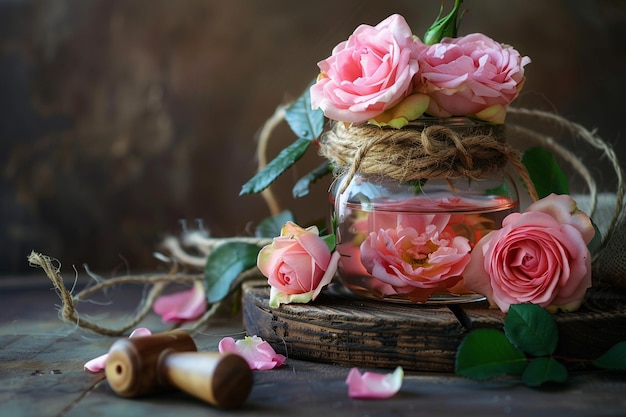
x: 423, y: 150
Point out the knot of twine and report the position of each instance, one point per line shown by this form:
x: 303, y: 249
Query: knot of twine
x: 422, y: 152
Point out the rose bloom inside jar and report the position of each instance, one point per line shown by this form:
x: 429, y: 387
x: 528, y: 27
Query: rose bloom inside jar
x: 410, y: 242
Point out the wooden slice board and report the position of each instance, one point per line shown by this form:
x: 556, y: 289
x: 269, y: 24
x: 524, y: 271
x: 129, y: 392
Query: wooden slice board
x: 338, y: 328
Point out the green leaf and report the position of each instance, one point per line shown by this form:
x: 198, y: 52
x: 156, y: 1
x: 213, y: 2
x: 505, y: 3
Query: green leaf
x: 545, y: 172
x: 596, y: 241
x: 532, y: 329
x: 302, y: 186
x: 330, y: 241
x: 614, y: 358
x: 271, y: 226
x: 502, y: 190
x: 416, y: 185
x: 487, y: 353
x: 543, y: 370
x: 305, y: 122
x: 442, y: 27
x: 224, y: 265
x: 285, y: 159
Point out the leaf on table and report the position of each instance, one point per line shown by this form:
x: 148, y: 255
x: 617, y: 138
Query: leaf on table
x: 614, y: 358
x: 224, y: 264
x: 544, y: 370
x: 487, y: 353
x: 532, y: 329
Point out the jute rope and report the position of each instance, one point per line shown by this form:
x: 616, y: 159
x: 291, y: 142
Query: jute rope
x: 156, y: 283
x: 69, y: 312
x: 422, y: 152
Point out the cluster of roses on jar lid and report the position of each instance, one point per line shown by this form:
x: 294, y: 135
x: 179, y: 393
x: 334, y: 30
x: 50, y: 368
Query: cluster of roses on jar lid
x: 387, y: 76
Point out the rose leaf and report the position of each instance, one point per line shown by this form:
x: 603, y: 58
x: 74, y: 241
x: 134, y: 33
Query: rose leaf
x: 614, y: 358
x: 285, y: 159
x: 224, y: 264
x: 330, y: 240
x: 271, y: 226
x: 446, y: 26
x: 301, y: 188
x: 596, y: 241
x: 532, y: 329
x: 487, y: 353
x: 545, y: 172
x: 543, y: 370
x: 305, y: 122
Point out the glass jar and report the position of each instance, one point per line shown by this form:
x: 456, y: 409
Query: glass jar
x: 410, y: 241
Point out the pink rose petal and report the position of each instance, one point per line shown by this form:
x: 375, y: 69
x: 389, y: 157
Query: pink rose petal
x: 565, y: 210
x: 98, y: 364
x: 372, y: 385
x: 258, y: 353
x: 181, y: 306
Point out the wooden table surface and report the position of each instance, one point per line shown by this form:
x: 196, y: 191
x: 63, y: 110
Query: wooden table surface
x: 42, y: 374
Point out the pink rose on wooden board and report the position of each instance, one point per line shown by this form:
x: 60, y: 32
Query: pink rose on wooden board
x: 427, y: 258
x: 298, y: 264
x: 369, y: 73
x: 539, y: 256
x: 471, y: 75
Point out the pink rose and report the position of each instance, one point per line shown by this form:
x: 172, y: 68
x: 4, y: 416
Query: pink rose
x: 471, y: 76
x: 298, y: 264
x: 539, y: 256
x: 421, y: 260
x: 370, y: 72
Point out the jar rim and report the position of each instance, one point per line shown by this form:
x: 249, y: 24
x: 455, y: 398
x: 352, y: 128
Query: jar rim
x: 460, y: 121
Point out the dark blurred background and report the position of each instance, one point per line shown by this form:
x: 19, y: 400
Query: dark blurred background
x: 119, y: 118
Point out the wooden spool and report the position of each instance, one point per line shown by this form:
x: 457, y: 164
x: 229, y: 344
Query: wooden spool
x: 339, y: 328
x: 149, y: 365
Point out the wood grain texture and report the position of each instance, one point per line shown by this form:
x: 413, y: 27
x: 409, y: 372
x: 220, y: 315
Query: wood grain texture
x: 340, y: 329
